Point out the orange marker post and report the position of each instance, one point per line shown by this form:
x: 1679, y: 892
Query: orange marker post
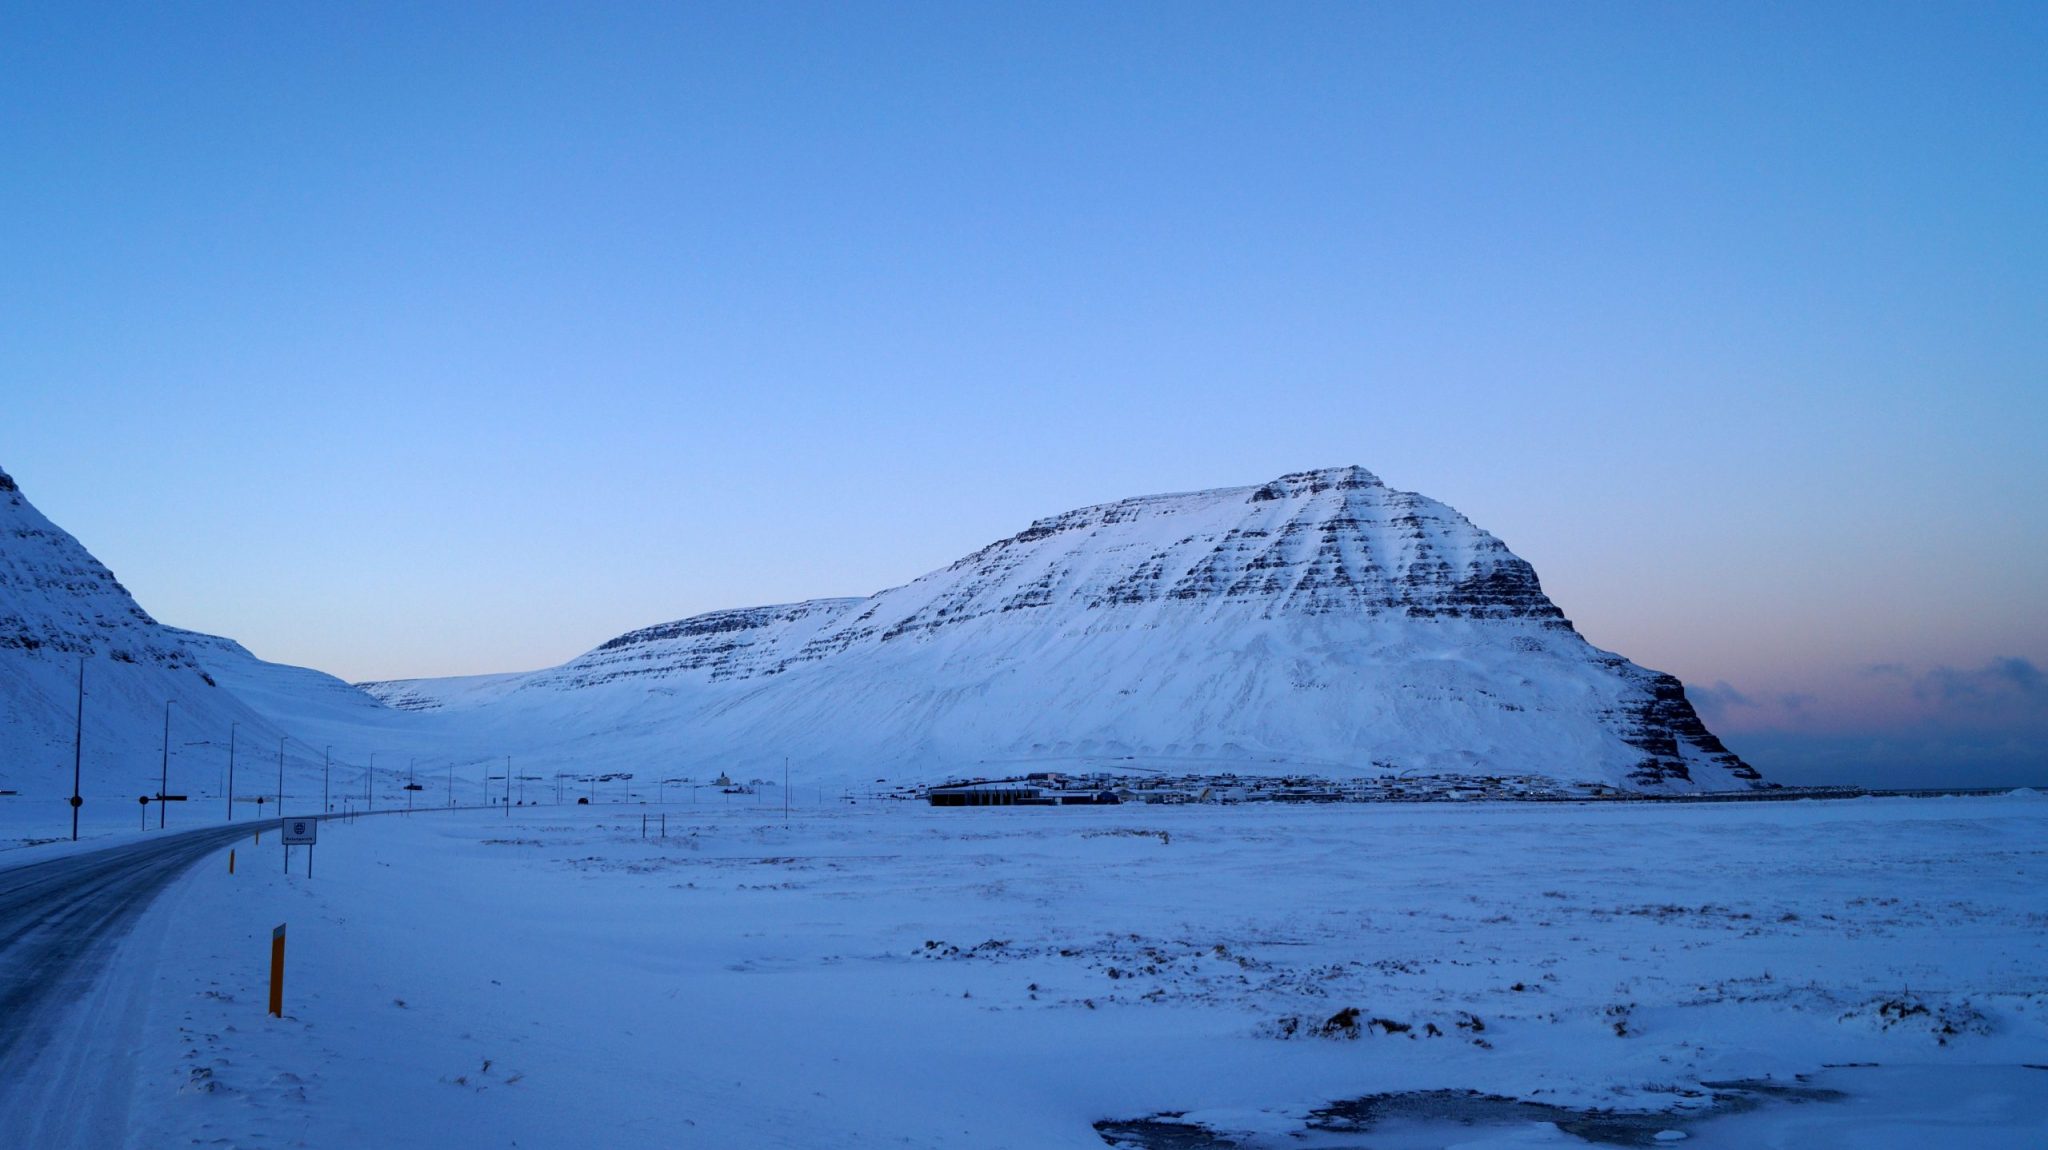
x: 277, y: 972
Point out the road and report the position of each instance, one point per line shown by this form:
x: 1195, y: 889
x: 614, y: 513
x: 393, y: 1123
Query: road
x: 60, y: 919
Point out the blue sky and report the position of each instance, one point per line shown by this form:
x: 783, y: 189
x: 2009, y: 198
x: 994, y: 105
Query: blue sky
x: 412, y: 339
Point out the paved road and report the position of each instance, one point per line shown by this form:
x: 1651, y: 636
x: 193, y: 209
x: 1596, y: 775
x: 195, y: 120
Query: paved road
x: 59, y: 918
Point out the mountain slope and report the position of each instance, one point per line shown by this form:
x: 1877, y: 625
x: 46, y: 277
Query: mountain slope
x: 64, y: 616
x: 1322, y: 621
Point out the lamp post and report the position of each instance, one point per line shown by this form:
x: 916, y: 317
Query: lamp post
x: 231, y: 770
x: 163, y: 786
x: 78, y: 751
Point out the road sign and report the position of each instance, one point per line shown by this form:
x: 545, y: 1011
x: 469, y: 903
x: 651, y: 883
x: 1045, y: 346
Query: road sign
x: 300, y: 832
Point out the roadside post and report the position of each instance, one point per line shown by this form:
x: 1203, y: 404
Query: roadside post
x: 277, y: 972
x: 299, y: 832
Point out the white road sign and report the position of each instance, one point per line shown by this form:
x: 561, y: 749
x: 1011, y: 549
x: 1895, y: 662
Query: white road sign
x: 300, y: 832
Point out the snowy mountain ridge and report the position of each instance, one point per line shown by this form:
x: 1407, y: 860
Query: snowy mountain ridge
x: 1318, y: 621
x: 56, y: 599
x: 87, y: 677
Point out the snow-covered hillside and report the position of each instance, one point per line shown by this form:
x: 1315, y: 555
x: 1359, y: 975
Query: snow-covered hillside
x: 1322, y: 622
x: 63, y: 615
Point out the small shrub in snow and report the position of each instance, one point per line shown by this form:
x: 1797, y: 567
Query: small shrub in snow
x: 1343, y: 1024
x: 1944, y: 1021
x: 1618, y: 1018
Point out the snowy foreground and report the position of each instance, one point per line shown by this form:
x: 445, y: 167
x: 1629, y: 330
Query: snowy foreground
x: 901, y: 976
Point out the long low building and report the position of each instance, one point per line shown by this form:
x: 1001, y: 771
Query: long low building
x: 1014, y: 793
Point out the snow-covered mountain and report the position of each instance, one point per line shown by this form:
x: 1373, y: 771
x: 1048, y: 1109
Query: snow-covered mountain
x: 64, y: 616
x: 1320, y: 622
x: 57, y: 600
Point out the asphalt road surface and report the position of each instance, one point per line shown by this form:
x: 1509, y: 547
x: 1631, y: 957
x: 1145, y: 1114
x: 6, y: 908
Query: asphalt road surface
x: 60, y: 919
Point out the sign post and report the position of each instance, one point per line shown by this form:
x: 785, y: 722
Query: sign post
x: 277, y: 972
x: 296, y: 832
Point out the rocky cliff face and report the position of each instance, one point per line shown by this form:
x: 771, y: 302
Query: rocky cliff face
x: 57, y: 600
x: 1320, y: 620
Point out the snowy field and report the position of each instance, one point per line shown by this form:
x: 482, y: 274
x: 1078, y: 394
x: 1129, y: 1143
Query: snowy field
x: 1858, y: 973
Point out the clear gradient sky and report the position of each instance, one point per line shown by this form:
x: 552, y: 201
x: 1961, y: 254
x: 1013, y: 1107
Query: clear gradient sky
x: 417, y: 339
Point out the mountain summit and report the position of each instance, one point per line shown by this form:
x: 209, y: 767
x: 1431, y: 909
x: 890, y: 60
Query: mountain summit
x: 1321, y: 622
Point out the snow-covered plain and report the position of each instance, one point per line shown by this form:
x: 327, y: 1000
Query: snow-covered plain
x: 886, y: 974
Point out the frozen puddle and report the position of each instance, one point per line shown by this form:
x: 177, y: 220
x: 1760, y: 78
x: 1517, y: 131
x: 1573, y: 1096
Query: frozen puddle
x: 1847, y: 1106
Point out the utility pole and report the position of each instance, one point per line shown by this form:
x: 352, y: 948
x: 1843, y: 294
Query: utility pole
x: 231, y: 770
x: 163, y: 785
x: 508, y: 786
x: 78, y: 751
x: 326, y: 766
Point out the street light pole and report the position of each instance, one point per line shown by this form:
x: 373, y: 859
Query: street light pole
x: 78, y: 751
x: 231, y: 770
x: 163, y: 785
